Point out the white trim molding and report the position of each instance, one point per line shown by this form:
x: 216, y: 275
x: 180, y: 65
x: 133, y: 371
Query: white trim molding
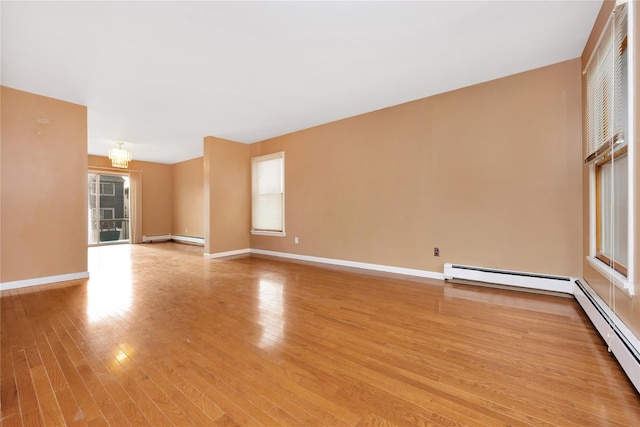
x: 618, y: 279
x: 632, y: 145
x: 43, y: 280
x: 353, y: 264
x: 268, y: 233
x: 228, y: 253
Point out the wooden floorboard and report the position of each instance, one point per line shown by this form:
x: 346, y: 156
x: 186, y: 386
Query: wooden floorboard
x: 160, y: 335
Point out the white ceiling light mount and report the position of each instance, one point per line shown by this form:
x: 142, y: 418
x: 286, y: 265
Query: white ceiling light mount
x: 120, y: 157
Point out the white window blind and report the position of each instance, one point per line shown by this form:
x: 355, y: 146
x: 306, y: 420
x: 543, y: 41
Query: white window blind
x: 604, y: 89
x: 267, y: 182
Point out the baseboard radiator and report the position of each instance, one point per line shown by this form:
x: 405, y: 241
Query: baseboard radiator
x: 624, y: 345
x: 174, y: 237
x: 156, y: 238
x: 517, y: 279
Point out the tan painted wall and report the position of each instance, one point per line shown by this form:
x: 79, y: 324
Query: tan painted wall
x: 628, y: 309
x: 44, y: 187
x: 187, y: 183
x: 490, y: 174
x: 227, y: 199
x: 156, y: 193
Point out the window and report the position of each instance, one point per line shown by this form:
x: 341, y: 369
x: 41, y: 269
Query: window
x: 106, y: 188
x: 612, y: 211
x: 107, y: 213
x: 606, y: 150
x: 267, y: 189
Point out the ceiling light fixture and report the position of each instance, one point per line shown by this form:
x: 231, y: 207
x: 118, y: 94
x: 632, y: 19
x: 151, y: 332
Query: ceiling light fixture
x: 120, y: 157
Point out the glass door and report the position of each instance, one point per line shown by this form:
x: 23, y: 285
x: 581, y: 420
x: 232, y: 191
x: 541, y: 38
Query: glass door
x: 108, y: 208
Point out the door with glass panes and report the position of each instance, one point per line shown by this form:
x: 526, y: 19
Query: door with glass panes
x: 108, y: 208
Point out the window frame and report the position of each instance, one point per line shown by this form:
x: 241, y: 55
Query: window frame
x: 254, y: 162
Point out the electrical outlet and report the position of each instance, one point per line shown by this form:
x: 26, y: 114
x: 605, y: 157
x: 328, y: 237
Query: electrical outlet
x: 436, y: 251
x: 295, y: 240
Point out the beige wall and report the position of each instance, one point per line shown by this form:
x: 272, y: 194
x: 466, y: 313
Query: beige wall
x: 490, y: 174
x: 187, y: 183
x: 227, y: 200
x: 156, y: 193
x: 44, y: 187
x: 628, y: 309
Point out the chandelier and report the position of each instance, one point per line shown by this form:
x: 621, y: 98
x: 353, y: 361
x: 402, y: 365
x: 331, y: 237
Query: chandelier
x: 120, y: 157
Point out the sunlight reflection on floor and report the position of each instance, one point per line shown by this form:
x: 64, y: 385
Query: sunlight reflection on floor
x: 271, y: 309
x: 109, y: 288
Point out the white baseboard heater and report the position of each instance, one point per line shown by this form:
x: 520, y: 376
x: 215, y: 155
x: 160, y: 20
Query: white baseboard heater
x: 516, y: 279
x: 624, y: 345
x: 156, y: 238
x: 174, y: 237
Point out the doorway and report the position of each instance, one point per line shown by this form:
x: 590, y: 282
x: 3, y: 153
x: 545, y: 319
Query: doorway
x: 108, y: 208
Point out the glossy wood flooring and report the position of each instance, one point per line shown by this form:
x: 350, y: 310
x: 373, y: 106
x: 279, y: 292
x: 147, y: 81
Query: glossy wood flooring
x: 162, y: 336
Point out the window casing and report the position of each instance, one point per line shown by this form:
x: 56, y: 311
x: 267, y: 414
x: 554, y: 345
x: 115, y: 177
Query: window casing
x: 267, y: 194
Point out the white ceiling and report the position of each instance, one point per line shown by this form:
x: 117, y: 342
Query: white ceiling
x: 162, y: 75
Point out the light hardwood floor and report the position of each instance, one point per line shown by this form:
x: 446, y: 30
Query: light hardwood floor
x: 162, y: 336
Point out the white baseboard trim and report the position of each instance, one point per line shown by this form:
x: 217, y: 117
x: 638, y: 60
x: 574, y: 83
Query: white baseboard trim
x: 43, y: 280
x: 353, y: 264
x: 187, y: 239
x: 228, y: 253
x: 624, y: 345
x: 156, y: 238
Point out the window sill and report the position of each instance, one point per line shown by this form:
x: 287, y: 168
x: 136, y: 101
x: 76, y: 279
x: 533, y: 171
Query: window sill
x: 618, y: 279
x: 268, y: 233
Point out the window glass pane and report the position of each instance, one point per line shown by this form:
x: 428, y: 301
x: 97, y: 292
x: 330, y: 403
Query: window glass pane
x: 93, y: 226
x: 624, y: 95
x: 614, y: 209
